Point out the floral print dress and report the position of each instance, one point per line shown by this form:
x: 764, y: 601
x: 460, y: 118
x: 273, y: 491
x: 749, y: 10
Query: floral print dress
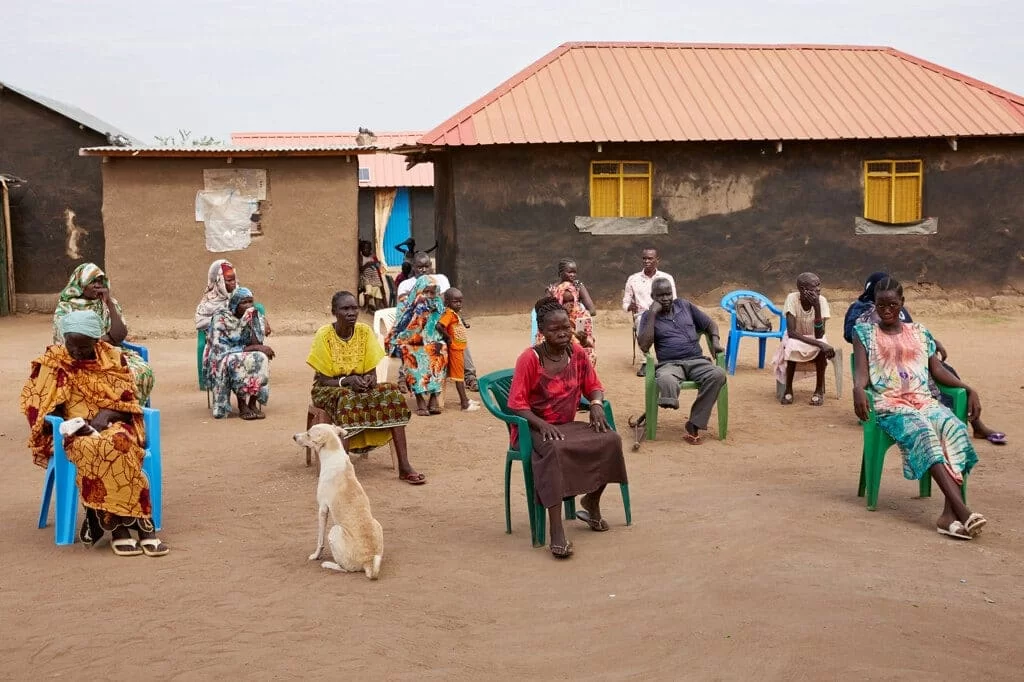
x: 231, y: 369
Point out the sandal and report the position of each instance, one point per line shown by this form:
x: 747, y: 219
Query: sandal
x: 975, y: 522
x: 422, y: 412
x: 413, y: 479
x: 248, y: 415
x: 996, y: 438
x: 434, y: 410
x: 787, y: 399
x: 597, y: 525
x: 125, y: 547
x: 473, y: 406
x: 955, y: 530
x: 153, y: 547
x: 817, y: 400
x: 259, y: 413
x: 562, y: 551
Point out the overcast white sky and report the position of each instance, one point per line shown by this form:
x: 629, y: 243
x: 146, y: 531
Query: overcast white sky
x: 214, y: 67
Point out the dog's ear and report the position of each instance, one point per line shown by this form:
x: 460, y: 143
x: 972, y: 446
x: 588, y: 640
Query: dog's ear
x: 341, y: 432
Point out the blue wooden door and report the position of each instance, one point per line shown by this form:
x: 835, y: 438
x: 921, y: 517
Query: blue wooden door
x: 399, y: 227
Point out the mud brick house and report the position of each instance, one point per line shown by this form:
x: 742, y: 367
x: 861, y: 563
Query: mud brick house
x: 395, y: 202
x: 743, y: 164
x: 284, y: 216
x: 53, y: 195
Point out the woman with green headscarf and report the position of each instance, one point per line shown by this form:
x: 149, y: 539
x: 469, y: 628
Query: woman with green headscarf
x: 89, y: 289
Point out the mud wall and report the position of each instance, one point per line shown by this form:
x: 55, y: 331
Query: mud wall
x: 56, y: 222
x: 156, y: 251
x: 739, y: 215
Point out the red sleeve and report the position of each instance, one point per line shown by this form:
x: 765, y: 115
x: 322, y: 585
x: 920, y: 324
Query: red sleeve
x: 588, y: 375
x: 523, y: 378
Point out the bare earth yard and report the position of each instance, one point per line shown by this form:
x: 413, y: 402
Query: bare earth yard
x: 751, y: 558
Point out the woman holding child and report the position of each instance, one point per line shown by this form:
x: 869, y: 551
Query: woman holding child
x: 893, y: 360
x: 420, y: 344
x: 344, y: 357
x: 237, y: 359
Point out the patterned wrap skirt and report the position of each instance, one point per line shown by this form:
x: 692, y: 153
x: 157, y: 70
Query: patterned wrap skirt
x: 371, y: 414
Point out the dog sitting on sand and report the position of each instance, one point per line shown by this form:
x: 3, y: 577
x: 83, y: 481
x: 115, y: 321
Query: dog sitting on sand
x: 356, y: 539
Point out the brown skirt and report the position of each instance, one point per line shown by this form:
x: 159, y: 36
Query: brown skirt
x: 582, y: 463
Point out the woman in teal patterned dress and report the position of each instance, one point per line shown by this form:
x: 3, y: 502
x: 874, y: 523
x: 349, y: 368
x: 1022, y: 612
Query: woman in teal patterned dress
x: 893, y: 360
x: 236, y: 360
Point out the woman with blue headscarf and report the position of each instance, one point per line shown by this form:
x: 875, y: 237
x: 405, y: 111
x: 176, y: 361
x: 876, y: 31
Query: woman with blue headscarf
x: 236, y: 360
x: 420, y: 346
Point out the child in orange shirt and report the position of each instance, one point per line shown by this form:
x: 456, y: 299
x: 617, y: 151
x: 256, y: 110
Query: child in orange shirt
x: 454, y: 331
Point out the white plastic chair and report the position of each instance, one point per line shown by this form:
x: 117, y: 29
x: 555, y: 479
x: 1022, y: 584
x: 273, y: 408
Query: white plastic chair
x: 383, y: 321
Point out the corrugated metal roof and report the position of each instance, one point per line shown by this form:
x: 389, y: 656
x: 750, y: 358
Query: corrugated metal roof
x: 74, y: 113
x: 648, y: 92
x: 382, y: 169
x: 225, y: 150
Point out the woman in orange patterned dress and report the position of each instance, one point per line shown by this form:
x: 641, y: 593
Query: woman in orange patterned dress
x: 90, y: 379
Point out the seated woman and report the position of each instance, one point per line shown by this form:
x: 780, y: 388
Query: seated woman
x: 893, y: 360
x: 804, y: 345
x: 579, y: 318
x: 89, y: 378
x: 89, y: 289
x: 420, y: 345
x: 863, y: 310
x: 371, y: 279
x: 569, y: 458
x: 568, y: 271
x: 345, y: 356
x: 220, y: 284
x: 237, y: 361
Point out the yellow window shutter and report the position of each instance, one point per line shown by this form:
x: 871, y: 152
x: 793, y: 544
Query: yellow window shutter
x: 906, y: 190
x: 636, y: 197
x: 604, y: 197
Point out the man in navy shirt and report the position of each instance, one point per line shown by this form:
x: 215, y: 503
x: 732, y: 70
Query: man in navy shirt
x: 674, y: 327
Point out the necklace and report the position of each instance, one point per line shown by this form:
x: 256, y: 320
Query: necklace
x: 345, y: 338
x: 553, y: 358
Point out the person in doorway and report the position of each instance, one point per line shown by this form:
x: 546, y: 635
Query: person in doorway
x: 454, y: 332
x: 371, y: 279
x: 569, y: 458
x: 863, y: 310
x: 893, y: 360
x: 89, y: 289
x: 636, y: 297
x: 804, y: 343
x: 237, y: 359
x: 344, y: 357
x: 674, y: 326
x: 568, y: 271
x: 86, y: 377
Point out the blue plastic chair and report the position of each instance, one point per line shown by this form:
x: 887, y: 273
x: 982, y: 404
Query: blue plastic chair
x: 735, y: 333
x: 533, y: 327
x: 143, y: 353
x: 60, y: 476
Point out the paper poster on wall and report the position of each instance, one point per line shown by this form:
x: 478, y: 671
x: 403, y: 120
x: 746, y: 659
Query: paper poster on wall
x: 250, y: 183
x: 228, y: 219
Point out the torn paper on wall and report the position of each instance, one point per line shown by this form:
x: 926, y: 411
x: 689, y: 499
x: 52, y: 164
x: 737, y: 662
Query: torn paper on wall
x: 250, y: 183
x: 227, y: 216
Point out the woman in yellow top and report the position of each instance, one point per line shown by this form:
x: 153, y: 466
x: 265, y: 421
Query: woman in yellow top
x: 345, y: 356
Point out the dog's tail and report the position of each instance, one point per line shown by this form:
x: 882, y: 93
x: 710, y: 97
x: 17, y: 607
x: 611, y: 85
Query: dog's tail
x: 373, y: 570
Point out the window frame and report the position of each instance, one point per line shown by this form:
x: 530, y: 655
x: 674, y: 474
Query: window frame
x: 892, y: 175
x: 621, y: 176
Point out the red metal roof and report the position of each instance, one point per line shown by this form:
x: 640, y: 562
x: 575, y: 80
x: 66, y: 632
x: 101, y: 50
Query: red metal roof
x: 649, y: 92
x: 384, y: 170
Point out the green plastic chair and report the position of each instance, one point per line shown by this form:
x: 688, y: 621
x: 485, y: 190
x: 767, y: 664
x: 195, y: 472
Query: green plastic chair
x: 651, y: 395
x: 494, y: 390
x: 877, y: 442
x: 201, y: 346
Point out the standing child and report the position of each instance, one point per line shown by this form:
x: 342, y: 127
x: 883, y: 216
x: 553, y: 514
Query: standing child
x: 453, y: 329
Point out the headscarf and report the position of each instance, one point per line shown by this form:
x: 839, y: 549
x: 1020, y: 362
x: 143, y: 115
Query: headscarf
x: 578, y: 311
x: 237, y: 296
x: 71, y: 298
x: 84, y: 322
x: 416, y: 317
x: 869, y: 286
x: 216, y: 296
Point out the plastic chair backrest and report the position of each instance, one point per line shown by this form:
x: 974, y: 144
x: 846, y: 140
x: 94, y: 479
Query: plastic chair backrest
x: 729, y: 300
x: 142, y: 351
x: 383, y: 321
x: 494, y: 390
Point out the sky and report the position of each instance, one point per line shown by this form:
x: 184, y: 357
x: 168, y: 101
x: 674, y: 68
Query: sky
x: 213, y: 67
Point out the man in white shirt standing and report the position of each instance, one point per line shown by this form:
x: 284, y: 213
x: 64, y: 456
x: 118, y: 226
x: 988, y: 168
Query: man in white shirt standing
x: 636, y: 298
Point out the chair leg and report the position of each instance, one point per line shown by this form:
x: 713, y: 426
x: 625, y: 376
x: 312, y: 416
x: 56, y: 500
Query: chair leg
x: 762, y: 344
x: 861, y: 485
x: 924, y: 486
x: 723, y: 411
x: 153, y: 466
x: 874, y: 461
x: 66, y: 494
x: 733, y: 351
x: 624, y: 489
x: 508, y: 482
x: 44, y: 506
x: 536, y: 517
x: 569, y: 504
x: 540, y: 520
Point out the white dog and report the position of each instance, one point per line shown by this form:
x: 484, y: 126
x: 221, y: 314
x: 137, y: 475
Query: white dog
x: 356, y: 539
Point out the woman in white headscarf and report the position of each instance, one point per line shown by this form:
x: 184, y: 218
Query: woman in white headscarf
x: 221, y: 282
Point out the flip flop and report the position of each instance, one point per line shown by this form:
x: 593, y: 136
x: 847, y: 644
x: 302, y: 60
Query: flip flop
x: 423, y: 413
x: 562, y: 551
x: 600, y: 525
x: 975, y: 522
x: 153, y: 547
x: 692, y: 438
x: 413, y: 479
x: 996, y: 438
x: 125, y: 547
x: 818, y: 399
x: 955, y: 530
x: 472, y: 407
x: 434, y: 410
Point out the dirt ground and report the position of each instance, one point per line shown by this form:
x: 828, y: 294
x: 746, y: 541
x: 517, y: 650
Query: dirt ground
x: 748, y: 558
